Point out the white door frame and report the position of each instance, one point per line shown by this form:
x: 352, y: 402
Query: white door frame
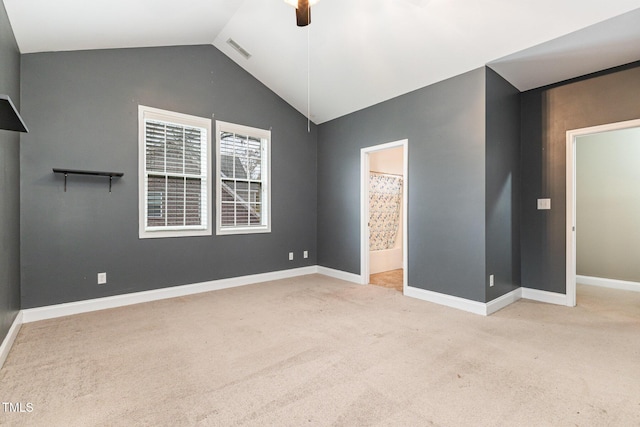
x: 572, y: 136
x: 364, y: 207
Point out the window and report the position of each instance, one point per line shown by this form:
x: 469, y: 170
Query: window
x: 243, y: 159
x: 174, y: 171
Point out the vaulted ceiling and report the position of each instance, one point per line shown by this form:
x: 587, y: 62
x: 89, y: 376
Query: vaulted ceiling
x: 355, y: 53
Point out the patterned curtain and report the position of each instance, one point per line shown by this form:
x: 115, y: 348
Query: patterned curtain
x: 385, y: 198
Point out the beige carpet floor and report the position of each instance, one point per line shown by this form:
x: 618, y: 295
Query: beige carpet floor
x: 319, y: 351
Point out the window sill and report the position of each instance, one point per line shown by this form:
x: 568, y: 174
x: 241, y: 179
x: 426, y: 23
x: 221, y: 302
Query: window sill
x: 173, y: 233
x: 247, y: 230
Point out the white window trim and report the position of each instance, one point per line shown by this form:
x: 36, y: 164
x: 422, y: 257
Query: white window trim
x: 266, y: 212
x: 144, y: 232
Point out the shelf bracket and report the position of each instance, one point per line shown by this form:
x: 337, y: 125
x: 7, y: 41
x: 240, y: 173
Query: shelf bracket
x: 66, y: 172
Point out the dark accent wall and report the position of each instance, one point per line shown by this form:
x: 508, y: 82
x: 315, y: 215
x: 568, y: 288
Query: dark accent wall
x: 445, y: 126
x: 502, y: 186
x: 82, y: 111
x: 9, y: 182
x: 547, y: 113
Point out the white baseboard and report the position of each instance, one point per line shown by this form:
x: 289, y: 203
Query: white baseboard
x: 7, y: 343
x: 338, y: 274
x: 471, y: 306
x: 446, y: 300
x: 66, y: 309
x: 490, y: 307
x: 503, y: 301
x: 609, y: 283
x: 544, y: 296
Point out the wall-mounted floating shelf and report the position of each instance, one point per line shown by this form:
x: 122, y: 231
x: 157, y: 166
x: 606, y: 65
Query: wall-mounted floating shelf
x: 66, y: 172
x: 9, y: 117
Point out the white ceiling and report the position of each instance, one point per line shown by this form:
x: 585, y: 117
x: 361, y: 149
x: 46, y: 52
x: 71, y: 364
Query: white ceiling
x: 356, y: 52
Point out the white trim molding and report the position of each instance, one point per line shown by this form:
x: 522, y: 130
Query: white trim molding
x: 572, y: 138
x: 475, y: 307
x: 264, y: 179
x: 623, y: 285
x: 85, y: 306
x: 7, y: 343
x: 544, y: 296
x: 490, y: 307
x: 338, y: 274
x: 503, y: 301
x: 364, y: 207
x: 447, y: 300
x: 149, y: 114
x: 67, y: 309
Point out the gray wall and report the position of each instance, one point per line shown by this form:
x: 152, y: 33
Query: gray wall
x: 547, y: 113
x: 82, y: 112
x: 445, y: 126
x: 608, y: 205
x: 502, y: 185
x: 9, y: 182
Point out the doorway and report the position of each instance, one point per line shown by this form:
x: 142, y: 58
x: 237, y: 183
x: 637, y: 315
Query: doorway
x: 384, y: 254
x: 573, y: 137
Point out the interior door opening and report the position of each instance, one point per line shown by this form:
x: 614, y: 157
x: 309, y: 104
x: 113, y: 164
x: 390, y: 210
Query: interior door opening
x: 573, y: 137
x: 384, y: 193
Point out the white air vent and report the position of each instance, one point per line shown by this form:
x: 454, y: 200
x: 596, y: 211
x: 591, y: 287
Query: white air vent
x: 240, y: 49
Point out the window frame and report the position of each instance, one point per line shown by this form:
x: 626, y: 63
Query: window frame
x: 263, y: 135
x: 185, y: 120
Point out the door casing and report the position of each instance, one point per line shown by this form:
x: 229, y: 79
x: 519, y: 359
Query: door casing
x: 364, y: 208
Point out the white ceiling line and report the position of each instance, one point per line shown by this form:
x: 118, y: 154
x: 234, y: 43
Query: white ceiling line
x: 362, y: 51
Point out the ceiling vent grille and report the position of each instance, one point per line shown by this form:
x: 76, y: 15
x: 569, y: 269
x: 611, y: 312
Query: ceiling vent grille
x: 240, y: 49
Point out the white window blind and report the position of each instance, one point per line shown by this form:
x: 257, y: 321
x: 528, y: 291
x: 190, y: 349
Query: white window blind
x: 243, y: 197
x: 175, y: 174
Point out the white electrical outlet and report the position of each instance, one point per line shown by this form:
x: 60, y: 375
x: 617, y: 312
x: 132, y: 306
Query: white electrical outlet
x: 102, y: 278
x: 491, y: 280
x: 290, y: 256
x: 305, y: 254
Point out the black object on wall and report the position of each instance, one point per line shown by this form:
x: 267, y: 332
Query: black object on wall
x: 66, y: 172
x: 83, y: 107
x: 9, y: 117
x: 9, y: 184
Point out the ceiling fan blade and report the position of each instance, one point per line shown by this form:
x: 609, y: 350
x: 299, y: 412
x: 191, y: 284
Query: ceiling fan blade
x: 303, y: 13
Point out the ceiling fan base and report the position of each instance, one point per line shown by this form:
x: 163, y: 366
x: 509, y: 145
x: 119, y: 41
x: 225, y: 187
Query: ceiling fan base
x: 303, y: 13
